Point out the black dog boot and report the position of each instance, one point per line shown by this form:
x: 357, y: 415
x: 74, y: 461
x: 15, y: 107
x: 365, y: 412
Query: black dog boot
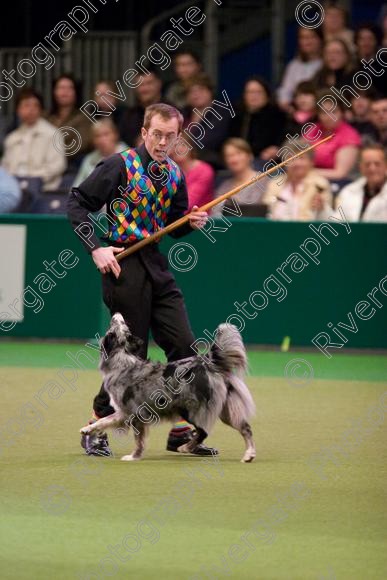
x: 176, y: 442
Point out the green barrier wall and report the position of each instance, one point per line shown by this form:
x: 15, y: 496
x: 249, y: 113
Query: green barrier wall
x: 232, y: 267
x: 73, y: 308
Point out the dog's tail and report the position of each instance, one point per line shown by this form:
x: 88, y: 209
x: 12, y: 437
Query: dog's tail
x: 240, y: 403
x: 228, y: 352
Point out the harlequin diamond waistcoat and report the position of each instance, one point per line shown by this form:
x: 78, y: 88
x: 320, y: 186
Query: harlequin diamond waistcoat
x: 140, y: 210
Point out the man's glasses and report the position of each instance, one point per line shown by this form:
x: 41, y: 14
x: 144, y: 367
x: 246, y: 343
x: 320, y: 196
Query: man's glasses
x: 157, y: 137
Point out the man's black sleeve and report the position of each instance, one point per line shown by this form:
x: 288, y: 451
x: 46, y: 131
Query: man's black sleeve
x: 179, y: 208
x: 91, y: 195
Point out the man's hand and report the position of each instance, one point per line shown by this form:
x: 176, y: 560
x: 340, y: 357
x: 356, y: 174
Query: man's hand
x: 198, y: 219
x: 105, y: 260
x: 317, y: 202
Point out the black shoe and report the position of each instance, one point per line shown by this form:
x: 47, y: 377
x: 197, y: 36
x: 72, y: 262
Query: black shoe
x: 96, y: 444
x: 175, y: 443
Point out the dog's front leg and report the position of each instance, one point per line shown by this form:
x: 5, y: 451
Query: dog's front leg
x: 140, y: 433
x: 103, y: 423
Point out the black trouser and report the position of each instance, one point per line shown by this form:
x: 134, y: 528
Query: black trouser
x: 147, y: 297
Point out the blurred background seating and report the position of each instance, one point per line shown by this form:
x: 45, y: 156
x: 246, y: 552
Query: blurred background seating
x: 276, y: 73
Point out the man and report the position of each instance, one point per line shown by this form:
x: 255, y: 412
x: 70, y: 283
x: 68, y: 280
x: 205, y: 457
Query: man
x: 366, y: 198
x: 378, y: 117
x: 148, y: 93
x: 29, y: 150
x: 144, y: 190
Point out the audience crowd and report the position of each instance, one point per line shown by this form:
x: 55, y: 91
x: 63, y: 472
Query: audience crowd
x: 316, y: 91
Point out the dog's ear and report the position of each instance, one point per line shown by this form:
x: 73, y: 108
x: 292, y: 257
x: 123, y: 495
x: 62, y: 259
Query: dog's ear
x: 135, y: 344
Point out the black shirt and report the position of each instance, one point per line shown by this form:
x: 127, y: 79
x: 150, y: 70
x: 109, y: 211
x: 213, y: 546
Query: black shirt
x: 263, y: 128
x: 102, y: 187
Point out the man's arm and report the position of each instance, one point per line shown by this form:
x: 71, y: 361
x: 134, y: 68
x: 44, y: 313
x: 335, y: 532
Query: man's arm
x: 91, y: 195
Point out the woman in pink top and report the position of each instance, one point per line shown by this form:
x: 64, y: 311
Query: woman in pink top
x: 336, y: 158
x: 199, y: 175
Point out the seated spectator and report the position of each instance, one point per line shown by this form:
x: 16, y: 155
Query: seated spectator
x: 10, y: 192
x: 106, y: 142
x: 66, y: 99
x: 200, y: 94
x: 368, y: 40
x: 304, y: 107
x: 303, y: 67
x: 335, y: 25
x: 337, y: 158
x: 378, y: 118
x: 259, y: 121
x: 303, y: 195
x: 109, y: 103
x: 29, y: 151
x: 366, y: 198
x: 147, y: 93
x: 199, y: 176
x: 359, y: 115
x: 337, y: 69
x: 239, y: 158
x: 186, y: 65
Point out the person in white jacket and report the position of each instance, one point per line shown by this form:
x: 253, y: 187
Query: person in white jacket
x: 30, y: 150
x: 365, y: 199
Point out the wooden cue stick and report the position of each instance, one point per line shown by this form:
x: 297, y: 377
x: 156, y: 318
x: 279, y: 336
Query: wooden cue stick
x: 213, y: 203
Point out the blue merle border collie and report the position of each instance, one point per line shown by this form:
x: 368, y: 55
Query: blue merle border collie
x: 200, y: 388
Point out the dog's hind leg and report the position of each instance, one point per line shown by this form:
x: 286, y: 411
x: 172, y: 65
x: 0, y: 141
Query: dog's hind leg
x: 244, y: 429
x: 247, y: 434
x: 140, y: 433
x: 109, y: 421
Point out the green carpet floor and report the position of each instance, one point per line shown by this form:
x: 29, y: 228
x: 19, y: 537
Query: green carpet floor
x: 311, y: 507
